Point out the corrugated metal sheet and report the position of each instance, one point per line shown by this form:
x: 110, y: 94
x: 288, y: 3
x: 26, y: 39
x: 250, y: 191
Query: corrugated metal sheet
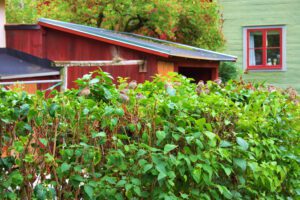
x: 161, y: 46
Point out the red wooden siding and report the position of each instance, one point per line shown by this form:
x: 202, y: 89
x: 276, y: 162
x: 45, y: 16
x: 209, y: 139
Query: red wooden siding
x: 64, y: 46
x: 28, y: 41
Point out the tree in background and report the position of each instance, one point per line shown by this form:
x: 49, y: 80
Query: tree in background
x: 193, y: 22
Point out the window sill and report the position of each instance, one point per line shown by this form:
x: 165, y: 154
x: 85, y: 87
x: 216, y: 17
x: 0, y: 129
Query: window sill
x: 264, y: 70
x: 263, y: 67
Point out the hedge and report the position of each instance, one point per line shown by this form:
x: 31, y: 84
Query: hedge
x: 164, y: 139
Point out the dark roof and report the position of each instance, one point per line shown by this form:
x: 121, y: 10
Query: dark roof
x: 15, y: 65
x: 148, y: 43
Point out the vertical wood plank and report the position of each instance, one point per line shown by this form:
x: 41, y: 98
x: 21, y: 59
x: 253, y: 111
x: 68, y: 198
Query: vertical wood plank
x: 165, y: 67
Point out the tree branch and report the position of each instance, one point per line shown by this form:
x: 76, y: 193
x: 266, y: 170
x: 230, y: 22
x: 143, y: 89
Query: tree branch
x: 140, y: 24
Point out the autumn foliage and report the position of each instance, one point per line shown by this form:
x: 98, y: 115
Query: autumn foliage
x: 190, y: 22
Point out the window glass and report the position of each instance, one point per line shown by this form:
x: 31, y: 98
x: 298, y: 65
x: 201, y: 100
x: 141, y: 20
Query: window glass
x: 256, y: 57
x: 273, y: 57
x: 273, y: 39
x: 256, y: 39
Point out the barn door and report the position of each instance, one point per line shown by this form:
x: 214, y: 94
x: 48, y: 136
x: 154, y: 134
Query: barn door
x: 165, y: 67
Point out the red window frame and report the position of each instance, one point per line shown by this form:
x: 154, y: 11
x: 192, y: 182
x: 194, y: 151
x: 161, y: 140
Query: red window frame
x: 264, y: 49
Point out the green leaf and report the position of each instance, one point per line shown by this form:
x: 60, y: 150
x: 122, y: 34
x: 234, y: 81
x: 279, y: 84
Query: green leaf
x: 18, y: 146
x: 243, y: 144
x: 89, y: 191
x: 161, y: 176
x: 224, y: 191
x: 121, y: 183
x: 147, y: 168
x: 208, y: 169
x: 169, y: 147
x: 227, y: 122
x: 241, y: 163
x: 119, y: 112
x: 184, y: 196
x: 97, y: 157
x: 226, y: 170
x: 29, y: 158
x: 53, y: 109
x: 137, y: 190
x: 100, y: 134
x: 225, y: 144
x: 210, y: 135
x: 107, y: 93
x: 181, y: 130
x: 93, y: 81
x: 136, y: 181
x: 171, y: 91
x: 44, y: 141
x: 196, y: 174
x: 65, y: 167
x: 160, y: 136
x: 86, y: 111
x: 77, y: 178
x: 17, y: 178
x: 40, y: 192
x: 49, y: 158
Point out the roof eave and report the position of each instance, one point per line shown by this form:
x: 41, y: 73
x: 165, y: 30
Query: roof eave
x: 233, y: 59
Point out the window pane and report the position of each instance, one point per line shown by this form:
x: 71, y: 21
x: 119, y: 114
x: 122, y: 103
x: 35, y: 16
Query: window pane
x: 273, y: 56
x: 273, y: 39
x: 255, y: 57
x: 256, y: 39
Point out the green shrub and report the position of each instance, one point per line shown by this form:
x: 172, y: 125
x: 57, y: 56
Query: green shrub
x: 228, y: 71
x: 165, y: 139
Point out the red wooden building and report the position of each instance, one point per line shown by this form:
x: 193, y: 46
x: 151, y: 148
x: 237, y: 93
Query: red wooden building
x: 59, y: 51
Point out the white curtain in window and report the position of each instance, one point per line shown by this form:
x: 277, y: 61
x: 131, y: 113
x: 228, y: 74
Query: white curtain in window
x: 252, y: 51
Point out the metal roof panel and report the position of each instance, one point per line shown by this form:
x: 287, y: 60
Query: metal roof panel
x: 11, y: 66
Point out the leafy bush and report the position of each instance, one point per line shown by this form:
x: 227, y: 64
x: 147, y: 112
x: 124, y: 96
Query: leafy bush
x: 165, y: 139
x: 228, y: 71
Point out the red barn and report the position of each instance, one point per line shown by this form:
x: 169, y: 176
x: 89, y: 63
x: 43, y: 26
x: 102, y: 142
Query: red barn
x: 54, y: 51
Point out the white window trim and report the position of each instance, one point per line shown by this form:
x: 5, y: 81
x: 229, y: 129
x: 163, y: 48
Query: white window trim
x: 284, y: 65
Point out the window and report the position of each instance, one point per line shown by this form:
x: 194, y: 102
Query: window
x: 264, y: 48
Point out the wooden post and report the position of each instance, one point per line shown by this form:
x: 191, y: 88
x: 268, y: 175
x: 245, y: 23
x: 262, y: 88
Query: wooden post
x: 64, y: 79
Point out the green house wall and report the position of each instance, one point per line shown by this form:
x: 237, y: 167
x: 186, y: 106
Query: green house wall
x: 238, y: 14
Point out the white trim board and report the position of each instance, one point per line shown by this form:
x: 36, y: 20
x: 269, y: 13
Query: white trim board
x: 30, y: 82
x: 29, y: 75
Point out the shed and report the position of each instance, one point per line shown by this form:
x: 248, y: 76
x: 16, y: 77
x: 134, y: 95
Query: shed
x: 80, y: 49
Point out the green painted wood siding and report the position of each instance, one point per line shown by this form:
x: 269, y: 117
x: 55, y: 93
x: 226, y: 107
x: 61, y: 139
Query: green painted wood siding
x: 242, y: 13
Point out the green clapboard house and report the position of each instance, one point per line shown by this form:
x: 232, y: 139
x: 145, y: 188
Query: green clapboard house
x: 265, y: 35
